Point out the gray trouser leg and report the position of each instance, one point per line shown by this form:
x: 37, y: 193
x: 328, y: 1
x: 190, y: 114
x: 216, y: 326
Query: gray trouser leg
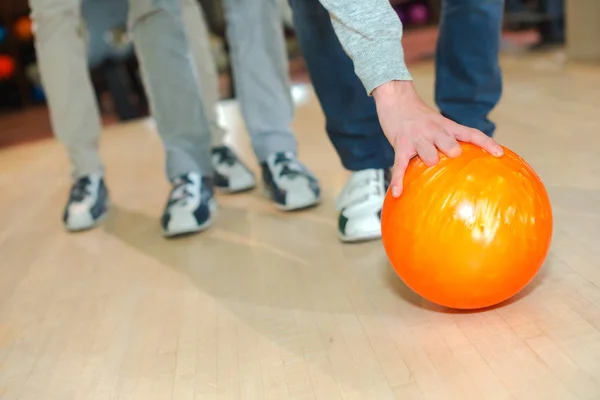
x: 208, y: 79
x: 169, y: 73
x: 261, y: 74
x: 64, y: 72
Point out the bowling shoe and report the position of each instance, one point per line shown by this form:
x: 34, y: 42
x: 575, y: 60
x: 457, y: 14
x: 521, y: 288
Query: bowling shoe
x: 359, y: 205
x: 289, y: 184
x: 88, y: 203
x: 231, y: 175
x: 190, y: 207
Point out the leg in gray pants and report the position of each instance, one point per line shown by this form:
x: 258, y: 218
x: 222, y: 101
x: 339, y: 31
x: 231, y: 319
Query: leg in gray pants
x: 260, y: 70
x: 73, y: 110
x: 167, y: 66
x: 63, y: 68
x: 181, y: 119
x: 199, y: 39
x: 168, y: 70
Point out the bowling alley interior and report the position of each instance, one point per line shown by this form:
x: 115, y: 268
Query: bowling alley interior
x: 480, y: 281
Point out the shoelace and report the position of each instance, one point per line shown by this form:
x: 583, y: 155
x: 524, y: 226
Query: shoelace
x: 360, y: 187
x: 80, y: 190
x: 288, y: 167
x: 181, y: 191
x: 226, y: 155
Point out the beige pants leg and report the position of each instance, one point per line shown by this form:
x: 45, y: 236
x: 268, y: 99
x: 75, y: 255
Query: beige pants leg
x: 208, y: 78
x: 260, y: 69
x: 171, y: 81
x: 261, y: 74
x: 63, y: 68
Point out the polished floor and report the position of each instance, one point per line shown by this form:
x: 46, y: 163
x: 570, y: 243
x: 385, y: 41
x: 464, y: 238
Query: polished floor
x: 268, y: 305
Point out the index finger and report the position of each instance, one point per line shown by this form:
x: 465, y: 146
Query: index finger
x: 478, y: 138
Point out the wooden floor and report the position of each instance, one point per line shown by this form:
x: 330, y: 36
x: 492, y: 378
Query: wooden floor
x: 268, y: 305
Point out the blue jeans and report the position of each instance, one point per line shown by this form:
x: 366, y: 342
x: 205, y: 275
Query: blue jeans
x: 468, y: 77
x: 468, y: 80
x: 351, y: 117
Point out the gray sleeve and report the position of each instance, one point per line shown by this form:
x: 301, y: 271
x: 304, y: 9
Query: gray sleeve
x: 371, y: 33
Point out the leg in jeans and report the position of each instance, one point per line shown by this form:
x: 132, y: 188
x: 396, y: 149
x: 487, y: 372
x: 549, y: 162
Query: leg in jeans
x: 72, y: 104
x: 352, y: 122
x: 261, y: 74
x: 167, y: 66
x: 63, y: 67
x: 468, y: 76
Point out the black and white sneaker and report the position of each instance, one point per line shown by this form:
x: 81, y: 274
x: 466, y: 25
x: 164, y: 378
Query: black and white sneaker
x: 231, y: 175
x: 360, y: 203
x: 87, y: 205
x: 289, y: 183
x: 190, y: 207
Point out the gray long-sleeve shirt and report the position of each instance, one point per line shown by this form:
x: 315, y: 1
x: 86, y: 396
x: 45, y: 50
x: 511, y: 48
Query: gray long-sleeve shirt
x: 371, y: 34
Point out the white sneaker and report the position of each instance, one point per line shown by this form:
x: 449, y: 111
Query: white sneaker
x: 190, y: 207
x: 289, y: 184
x: 87, y: 205
x: 360, y: 203
x: 231, y: 175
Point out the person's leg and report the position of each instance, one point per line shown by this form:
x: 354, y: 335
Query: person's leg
x: 231, y: 175
x: 351, y: 117
x: 351, y: 122
x: 552, y: 28
x: 261, y: 73
x: 72, y: 104
x: 198, y: 37
x: 168, y: 70
x: 468, y: 76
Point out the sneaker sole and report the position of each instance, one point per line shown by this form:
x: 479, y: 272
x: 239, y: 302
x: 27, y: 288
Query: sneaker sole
x: 362, y: 238
x: 196, y: 229
x: 296, y: 207
x: 96, y: 223
x: 224, y: 190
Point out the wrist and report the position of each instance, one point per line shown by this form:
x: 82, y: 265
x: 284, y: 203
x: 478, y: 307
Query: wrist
x: 399, y: 95
x: 394, y: 90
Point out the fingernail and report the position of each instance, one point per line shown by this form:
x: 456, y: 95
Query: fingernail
x: 498, y: 152
x: 395, y: 191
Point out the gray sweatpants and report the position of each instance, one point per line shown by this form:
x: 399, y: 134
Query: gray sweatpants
x: 181, y: 84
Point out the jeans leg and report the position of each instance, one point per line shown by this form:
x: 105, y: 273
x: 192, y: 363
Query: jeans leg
x: 351, y: 117
x: 468, y: 76
x: 167, y: 65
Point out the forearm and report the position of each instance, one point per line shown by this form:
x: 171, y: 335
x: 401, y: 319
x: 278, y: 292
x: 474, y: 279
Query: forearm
x: 371, y: 34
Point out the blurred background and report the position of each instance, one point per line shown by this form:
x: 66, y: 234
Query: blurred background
x: 530, y: 25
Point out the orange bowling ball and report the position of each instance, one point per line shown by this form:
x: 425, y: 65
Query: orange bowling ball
x: 469, y: 232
